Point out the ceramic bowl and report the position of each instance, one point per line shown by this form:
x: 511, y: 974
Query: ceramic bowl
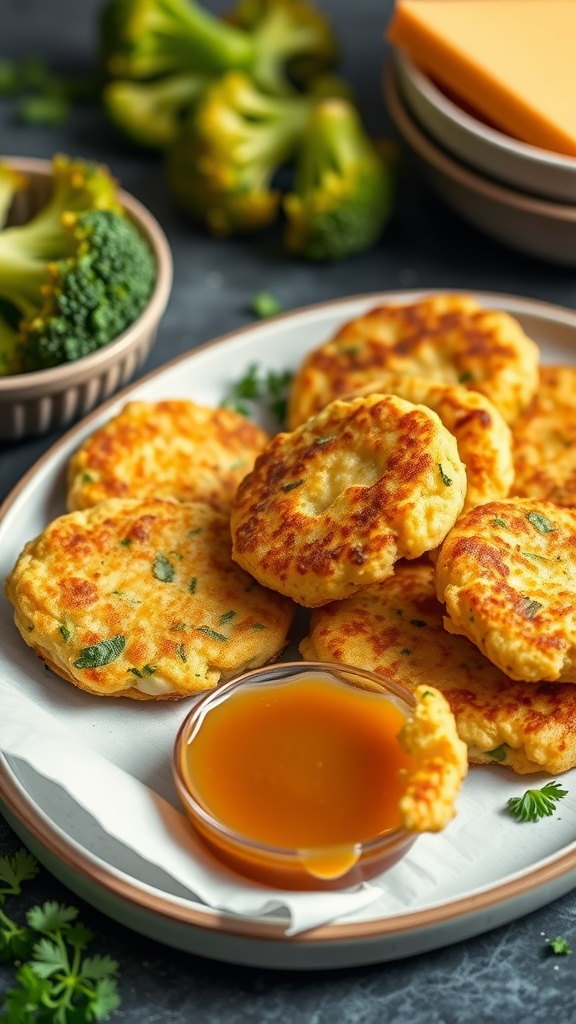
x: 33, y: 403
x: 289, y: 781
x: 537, y: 227
x: 482, y: 146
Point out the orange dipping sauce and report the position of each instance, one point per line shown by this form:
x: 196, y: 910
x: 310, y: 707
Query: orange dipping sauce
x: 306, y: 768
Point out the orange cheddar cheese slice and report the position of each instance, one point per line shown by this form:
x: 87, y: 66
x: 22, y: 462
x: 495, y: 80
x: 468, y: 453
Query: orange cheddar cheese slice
x: 514, y: 61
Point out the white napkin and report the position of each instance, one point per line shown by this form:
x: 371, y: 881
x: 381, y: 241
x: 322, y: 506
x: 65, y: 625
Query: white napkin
x: 146, y: 823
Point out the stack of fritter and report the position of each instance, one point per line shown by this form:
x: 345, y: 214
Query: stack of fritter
x: 333, y: 510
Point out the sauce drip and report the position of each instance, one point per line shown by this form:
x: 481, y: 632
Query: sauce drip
x: 309, y: 763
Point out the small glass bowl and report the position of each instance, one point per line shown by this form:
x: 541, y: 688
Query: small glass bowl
x: 327, y: 867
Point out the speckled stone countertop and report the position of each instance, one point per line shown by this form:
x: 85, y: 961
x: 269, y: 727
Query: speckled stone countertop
x: 503, y: 976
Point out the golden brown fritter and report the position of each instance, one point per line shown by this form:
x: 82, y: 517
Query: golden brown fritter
x: 544, y: 440
x: 446, y: 338
x: 396, y: 628
x: 170, y: 449
x: 484, y: 440
x: 142, y: 599
x: 507, y: 575
x: 332, y: 505
x: 440, y: 763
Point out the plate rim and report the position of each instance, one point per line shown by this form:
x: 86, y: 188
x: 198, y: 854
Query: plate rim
x: 175, y: 909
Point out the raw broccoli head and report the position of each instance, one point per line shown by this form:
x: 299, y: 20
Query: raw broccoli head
x: 343, y: 189
x: 152, y: 113
x: 74, y: 276
x: 143, y: 39
x: 221, y: 169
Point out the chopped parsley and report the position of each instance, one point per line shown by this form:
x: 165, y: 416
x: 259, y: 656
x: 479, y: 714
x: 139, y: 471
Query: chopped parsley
x: 97, y: 655
x: 192, y: 585
x: 498, y: 753
x: 268, y: 389
x: 292, y: 486
x: 162, y: 569
x: 227, y: 617
x: 65, y: 632
x: 559, y: 946
x: 500, y: 522
x: 181, y: 652
x: 542, y: 524
x: 211, y: 633
x: 264, y: 304
x: 446, y: 480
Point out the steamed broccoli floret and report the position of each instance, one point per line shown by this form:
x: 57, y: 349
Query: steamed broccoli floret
x: 292, y: 33
x: 149, y: 38
x: 222, y: 167
x: 11, y: 182
x: 74, y: 276
x: 343, y: 189
x: 151, y: 113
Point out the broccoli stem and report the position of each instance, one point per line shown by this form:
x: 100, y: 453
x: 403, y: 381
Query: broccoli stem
x: 21, y: 278
x: 340, y: 143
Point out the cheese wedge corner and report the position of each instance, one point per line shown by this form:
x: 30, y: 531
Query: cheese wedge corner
x: 514, y: 61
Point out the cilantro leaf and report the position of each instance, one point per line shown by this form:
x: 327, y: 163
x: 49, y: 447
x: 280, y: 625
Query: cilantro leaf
x: 51, y: 917
x: 22, y: 867
x: 536, y: 803
x: 97, y: 655
x: 54, y: 983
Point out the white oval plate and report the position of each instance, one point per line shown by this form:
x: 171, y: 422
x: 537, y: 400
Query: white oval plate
x: 537, y: 866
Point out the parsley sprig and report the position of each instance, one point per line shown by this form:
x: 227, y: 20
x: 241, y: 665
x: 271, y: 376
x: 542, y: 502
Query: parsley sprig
x: 55, y: 982
x: 258, y: 387
x: 536, y: 803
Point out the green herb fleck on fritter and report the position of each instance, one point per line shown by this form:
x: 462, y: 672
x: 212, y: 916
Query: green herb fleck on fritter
x: 97, y: 655
x: 162, y: 569
x: 498, y: 753
x: 211, y: 633
x: 542, y: 524
x: 446, y: 480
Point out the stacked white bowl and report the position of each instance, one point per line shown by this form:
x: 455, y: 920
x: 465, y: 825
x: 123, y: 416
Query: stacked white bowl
x: 522, y: 195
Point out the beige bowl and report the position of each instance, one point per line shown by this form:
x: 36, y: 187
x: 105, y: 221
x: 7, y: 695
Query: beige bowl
x: 33, y: 403
x: 482, y: 147
x: 534, y: 226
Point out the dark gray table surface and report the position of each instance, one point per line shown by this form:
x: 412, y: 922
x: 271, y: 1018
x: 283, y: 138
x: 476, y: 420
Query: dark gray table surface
x: 506, y: 975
